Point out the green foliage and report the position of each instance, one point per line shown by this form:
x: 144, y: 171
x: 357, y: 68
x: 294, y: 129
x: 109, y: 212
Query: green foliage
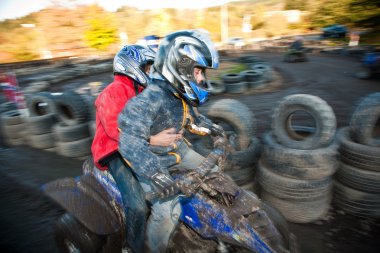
x: 24, y: 54
x: 102, y: 30
x: 301, y: 5
x: 330, y: 12
x: 349, y: 12
x: 365, y: 12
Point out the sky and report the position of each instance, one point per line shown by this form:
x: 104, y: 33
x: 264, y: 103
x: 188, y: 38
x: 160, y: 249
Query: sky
x: 18, y: 8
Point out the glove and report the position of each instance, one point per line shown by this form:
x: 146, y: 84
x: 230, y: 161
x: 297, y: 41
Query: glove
x: 164, y: 184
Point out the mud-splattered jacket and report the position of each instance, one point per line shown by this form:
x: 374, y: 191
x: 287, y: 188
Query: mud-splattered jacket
x: 153, y: 111
x: 108, y: 106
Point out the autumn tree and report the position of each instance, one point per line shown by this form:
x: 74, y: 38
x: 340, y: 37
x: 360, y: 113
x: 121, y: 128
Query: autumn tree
x: 365, y: 12
x: 102, y: 30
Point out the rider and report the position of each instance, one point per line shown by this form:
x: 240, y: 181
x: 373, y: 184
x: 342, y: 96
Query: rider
x: 130, y: 67
x: 179, y: 84
x: 297, y: 44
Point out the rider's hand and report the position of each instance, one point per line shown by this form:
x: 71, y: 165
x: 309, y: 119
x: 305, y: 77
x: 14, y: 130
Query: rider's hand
x: 166, y: 137
x: 164, y: 184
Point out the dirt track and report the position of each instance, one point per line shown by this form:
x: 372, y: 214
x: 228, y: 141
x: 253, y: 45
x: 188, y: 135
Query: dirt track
x: 26, y: 216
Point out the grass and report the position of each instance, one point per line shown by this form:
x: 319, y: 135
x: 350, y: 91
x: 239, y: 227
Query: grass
x: 226, y: 68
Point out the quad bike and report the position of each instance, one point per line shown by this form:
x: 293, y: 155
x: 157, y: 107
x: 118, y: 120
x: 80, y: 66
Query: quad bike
x: 293, y: 55
x: 217, y: 215
x: 370, y: 65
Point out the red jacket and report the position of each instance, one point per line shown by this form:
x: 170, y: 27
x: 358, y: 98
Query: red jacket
x: 109, y: 104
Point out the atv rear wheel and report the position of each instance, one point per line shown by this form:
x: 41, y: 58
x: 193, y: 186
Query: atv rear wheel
x: 72, y: 237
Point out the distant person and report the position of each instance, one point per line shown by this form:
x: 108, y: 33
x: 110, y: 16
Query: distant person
x: 130, y: 67
x: 297, y: 44
x: 354, y: 39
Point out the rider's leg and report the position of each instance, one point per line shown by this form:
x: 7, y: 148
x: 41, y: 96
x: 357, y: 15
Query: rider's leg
x: 165, y: 213
x: 162, y: 223
x: 192, y: 159
x: 135, y: 208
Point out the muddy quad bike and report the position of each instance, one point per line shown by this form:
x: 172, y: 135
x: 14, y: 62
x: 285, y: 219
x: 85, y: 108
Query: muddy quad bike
x: 293, y: 55
x: 217, y: 215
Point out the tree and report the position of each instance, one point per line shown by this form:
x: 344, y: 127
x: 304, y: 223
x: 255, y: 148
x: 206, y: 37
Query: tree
x: 301, y: 5
x: 330, y: 12
x: 102, y: 30
x: 365, y: 12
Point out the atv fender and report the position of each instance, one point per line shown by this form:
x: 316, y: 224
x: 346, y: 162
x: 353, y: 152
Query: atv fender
x: 84, y: 203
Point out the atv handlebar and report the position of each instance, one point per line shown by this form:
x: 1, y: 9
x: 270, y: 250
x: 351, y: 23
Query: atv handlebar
x: 194, y: 177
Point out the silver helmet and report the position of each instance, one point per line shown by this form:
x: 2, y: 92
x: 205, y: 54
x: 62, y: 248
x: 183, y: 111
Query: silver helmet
x: 177, y: 56
x: 131, y: 61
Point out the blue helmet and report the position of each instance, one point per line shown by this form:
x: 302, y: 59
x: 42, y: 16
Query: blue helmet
x: 178, y: 54
x: 131, y: 61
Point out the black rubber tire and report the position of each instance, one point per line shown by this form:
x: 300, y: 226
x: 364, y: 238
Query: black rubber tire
x: 70, y: 232
x: 65, y: 133
x: 263, y: 67
x: 252, y: 75
x: 298, y: 163
x: 357, y: 155
x: 278, y: 220
x: 355, y: 202
x: 362, y: 180
x: 300, y: 211
x: 40, y: 104
x: 13, y: 117
x: 291, y: 188
x: 72, y: 108
x: 232, y: 78
x: 319, y: 110
x: 216, y: 88
x: 41, y: 124
x: 42, y: 141
x: 78, y: 148
x: 8, y: 106
x: 236, y: 160
x: 242, y: 176
x: 365, y: 121
x: 14, y: 131
x: 237, y: 88
x: 235, y: 114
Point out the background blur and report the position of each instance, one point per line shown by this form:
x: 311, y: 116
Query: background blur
x: 69, y: 28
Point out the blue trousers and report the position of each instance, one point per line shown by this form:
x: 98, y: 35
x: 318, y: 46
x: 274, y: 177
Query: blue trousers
x: 135, y: 207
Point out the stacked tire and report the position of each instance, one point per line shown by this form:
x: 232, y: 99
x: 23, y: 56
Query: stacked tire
x: 357, y: 184
x: 13, y: 127
x: 72, y: 134
x: 240, y: 125
x: 296, y: 167
x: 42, y: 117
x: 235, y: 83
x: 266, y: 74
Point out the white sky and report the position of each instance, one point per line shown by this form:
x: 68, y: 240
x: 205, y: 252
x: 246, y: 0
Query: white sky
x: 18, y: 8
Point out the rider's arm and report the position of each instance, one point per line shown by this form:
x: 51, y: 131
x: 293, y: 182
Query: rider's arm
x: 135, y: 122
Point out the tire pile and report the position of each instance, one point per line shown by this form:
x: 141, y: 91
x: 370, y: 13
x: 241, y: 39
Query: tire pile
x: 357, y: 184
x: 57, y: 122
x: 297, y: 163
x: 256, y: 77
x: 240, y: 125
x: 42, y: 82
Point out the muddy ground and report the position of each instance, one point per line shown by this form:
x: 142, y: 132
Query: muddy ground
x: 26, y: 216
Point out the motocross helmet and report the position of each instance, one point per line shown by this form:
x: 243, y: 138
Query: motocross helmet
x: 177, y: 56
x: 131, y: 61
